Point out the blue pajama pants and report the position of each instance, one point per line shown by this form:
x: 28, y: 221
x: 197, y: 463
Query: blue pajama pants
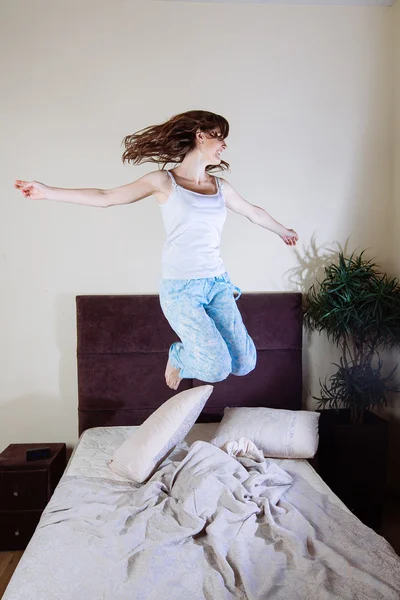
x: 214, y: 341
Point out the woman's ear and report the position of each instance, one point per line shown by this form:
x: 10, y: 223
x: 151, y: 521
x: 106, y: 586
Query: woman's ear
x: 200, y: 136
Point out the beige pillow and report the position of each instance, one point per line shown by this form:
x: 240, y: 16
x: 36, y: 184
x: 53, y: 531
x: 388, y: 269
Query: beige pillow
x: 276, y: 432
x: 140, y: 455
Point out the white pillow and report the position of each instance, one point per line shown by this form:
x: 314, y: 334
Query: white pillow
x: 140, y: 455
x: 278, y: 433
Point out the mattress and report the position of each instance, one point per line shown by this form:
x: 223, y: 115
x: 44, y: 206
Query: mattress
x: 97, y: 445
x: 206, y: 526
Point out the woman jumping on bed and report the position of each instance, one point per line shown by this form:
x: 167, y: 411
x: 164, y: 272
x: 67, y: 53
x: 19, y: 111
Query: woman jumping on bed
x: 196, y: 294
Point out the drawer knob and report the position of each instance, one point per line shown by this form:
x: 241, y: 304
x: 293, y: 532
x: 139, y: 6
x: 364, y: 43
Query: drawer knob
x: 16, y: 532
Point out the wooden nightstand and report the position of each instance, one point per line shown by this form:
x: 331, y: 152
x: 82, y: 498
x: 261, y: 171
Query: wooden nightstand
x: 25, y: 489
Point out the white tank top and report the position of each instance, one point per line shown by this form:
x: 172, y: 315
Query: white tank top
x: 193, y: 223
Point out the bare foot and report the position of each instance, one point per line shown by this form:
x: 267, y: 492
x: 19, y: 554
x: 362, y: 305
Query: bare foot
x: 172, y: 376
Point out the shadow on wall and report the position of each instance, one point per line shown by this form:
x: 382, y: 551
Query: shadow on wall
x: 312, y: 263
x: 310, y: 270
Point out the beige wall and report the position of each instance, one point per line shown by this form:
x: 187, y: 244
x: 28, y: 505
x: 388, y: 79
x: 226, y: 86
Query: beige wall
x: 396, y: 170
x: 393, y: 411
x: 308, y: 93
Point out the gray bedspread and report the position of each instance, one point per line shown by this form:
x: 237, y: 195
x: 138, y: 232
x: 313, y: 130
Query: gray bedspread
x: 206, y: 526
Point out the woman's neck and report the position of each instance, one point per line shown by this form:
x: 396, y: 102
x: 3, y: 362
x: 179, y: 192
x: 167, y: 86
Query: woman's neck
x: 193, y: 169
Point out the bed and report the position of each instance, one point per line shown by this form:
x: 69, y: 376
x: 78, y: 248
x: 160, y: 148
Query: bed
x: 206, y: 525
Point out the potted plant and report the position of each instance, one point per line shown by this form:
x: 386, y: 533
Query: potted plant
x: 358, y: 308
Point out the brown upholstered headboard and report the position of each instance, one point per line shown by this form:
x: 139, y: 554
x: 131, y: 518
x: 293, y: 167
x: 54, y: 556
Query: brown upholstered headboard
x: 123, y: 345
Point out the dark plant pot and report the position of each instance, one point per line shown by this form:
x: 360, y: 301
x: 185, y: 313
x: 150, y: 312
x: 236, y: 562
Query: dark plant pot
x: 352, y: 460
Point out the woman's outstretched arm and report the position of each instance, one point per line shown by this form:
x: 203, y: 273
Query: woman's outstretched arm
x: 257, y: 215
x: 132, y: 192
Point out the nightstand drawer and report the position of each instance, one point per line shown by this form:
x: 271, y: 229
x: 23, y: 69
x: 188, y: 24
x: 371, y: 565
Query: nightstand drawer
x: 23, y: 490
x: 17, y: 528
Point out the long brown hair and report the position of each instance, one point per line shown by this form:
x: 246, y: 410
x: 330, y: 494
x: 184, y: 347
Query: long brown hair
x: 172, y: 140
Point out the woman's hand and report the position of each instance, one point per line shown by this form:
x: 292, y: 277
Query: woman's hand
x: 290, y: 237
x: 32, y: 189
